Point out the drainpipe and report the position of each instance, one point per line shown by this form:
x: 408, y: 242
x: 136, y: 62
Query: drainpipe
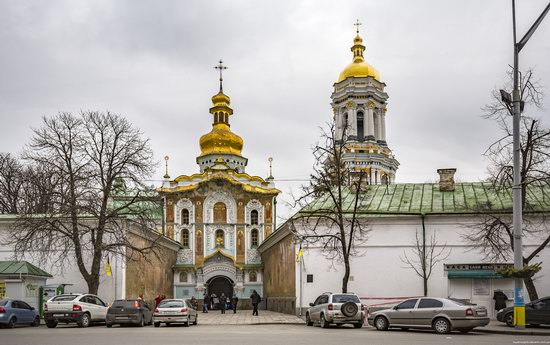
x: 425, y: 283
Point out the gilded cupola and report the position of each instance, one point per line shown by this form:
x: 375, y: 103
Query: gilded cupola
x: 358, y: 67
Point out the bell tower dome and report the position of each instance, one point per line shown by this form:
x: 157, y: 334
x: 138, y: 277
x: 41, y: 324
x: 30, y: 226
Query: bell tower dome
x: 359, y: 105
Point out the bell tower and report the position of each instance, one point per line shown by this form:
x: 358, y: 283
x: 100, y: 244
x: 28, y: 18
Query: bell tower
x: 359, y: 106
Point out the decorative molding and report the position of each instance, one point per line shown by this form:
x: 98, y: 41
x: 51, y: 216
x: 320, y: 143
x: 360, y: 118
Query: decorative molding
x: 216, y: 197
x: 185, y: 256
x: 253, y: 257
x: 185, y: 204
x: 371, y: 105
x: 254, y: 204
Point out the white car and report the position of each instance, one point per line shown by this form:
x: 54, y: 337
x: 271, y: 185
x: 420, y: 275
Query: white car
x: 174, y: 311
x: 81, y: 309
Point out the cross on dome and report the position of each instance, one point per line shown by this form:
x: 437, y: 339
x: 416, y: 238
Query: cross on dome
x: 357, y: 25
x: 221, y: 67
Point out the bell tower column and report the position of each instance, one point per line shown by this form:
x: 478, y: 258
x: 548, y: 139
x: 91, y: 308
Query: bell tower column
x: 370, y: 119
x: 383, y: 125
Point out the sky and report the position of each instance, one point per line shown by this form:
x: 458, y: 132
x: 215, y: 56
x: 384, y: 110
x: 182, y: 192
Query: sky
x: 152, y: 62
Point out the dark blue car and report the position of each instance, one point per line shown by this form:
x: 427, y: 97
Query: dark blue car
x: 14, y: 312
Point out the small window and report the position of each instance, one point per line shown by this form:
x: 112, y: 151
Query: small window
x: 309, y: 278
x: 429, y: 303
x: 254, y: 234
x: 220, y: 238
x: 185, y: 238
x: 254, y: 217
x: 183, y: 277
x: 252, y: 276
x: 408, y: 304
x: 184, y: 216
x: 323, y: 299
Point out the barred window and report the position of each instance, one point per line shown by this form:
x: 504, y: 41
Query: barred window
x: 185, y: 216
x: 254, y: 237
x: 185, y: 238
x: 254, y: 217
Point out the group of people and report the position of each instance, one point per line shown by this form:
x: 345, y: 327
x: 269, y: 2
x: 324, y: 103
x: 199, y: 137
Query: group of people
x: 224, y: 302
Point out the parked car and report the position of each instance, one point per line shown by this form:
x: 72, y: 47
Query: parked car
x: 15, y: 312
x: 174, y: 311
x: 129, y: 311
x: 81, y: 309
x: 441, y: 314
x: 536, y: 313
x: 338, y: 308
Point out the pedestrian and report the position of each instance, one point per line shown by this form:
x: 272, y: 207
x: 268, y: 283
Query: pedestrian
x: 162, y: 297
x: 234, y: 302
x: 206, y: 303
x: 223, y: 301
x: 157, y: 300
x: 214, y: 301
x: 194, y: 303
x: 500, y: 300
x: 255, y: 299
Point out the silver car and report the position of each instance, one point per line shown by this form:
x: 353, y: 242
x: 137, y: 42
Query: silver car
x: 441, y: 314
x: 337, y: 308
x: 174, y: 311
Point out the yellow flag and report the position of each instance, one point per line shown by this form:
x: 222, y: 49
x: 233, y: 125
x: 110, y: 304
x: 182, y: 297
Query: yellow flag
x: 108, y: 268
x: 299, y: 256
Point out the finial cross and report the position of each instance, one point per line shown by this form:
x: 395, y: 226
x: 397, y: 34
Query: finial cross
x: 221, y: 67
x: 357, y: 25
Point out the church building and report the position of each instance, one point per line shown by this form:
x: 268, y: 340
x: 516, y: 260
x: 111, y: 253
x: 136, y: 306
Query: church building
x: 219, y: 215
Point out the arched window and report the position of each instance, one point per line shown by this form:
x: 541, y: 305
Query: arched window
x: 252, y: 276
x: 185, y: 238
x: 254, y: 237
x: 254, y: 217
x: 183, y: 277
x: 360, y: 126
x: 220, y: 213
x: 220, y: 238
x: 185, y: 216
x: 345, y: 120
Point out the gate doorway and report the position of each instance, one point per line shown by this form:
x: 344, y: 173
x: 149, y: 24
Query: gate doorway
x: 220, y: 284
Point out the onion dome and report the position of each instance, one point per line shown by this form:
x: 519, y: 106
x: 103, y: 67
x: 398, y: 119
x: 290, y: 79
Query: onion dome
x: 358, y: 68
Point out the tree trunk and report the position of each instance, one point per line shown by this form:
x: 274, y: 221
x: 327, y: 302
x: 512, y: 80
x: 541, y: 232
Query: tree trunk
x: 93, y: 283
x: 425, y: 279
x: 531, y: 289
x: 346, y: 276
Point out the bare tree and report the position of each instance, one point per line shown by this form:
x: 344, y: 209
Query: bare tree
x: 493, y: 234
x: 85, y: 220
x: 424, y: 257
x: 11, y: 183
x: 330, y: 203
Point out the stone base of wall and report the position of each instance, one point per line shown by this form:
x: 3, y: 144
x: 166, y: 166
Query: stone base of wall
x: 286, y: 305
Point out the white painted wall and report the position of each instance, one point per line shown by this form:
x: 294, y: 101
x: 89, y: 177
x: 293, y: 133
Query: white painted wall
x: 379, y: 275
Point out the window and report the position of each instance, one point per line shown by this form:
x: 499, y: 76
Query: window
x: 309, y: 278
x: 408, y: 304
x: 183, y: 277
x: 429, y: 303
x: 360, y: 126
x: 185, y: 238
x: 254, y: 234
x: 323, y: 299
x: 345, y: 298
x: 220, y: 238
x: 184, y: 216
x: 2, y: 289
x: 252, y: 276
x: 254, y: 217
x: 220, y: 213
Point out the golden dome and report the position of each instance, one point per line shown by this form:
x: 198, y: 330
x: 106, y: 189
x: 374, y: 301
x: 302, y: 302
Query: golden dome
x: 358, y: 68
x: 221, y: 140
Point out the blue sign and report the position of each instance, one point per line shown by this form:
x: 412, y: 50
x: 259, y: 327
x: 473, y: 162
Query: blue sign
x: 519, y: 298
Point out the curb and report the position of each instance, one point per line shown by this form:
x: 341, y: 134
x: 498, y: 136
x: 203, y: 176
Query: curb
x: 512, y: 332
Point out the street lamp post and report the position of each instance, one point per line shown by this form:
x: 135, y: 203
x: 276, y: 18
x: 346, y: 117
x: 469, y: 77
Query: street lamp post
x: 519, y: 300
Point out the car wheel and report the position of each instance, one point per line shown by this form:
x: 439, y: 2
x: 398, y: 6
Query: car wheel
x: 323, y: 321
x: 186, y: 324
x: 441, y: 326
x: 357, y: 325
x: 381, y: 323
x: 509, y: 319
x: 109, y: 325
x: 141, y: 321
x: 308, y: 320
x: 157, y: 324
x: 84, y: 320
x: 167, y: 324
x: 196, y: 322
x: 51, y: 323
x: 12, y: 322
x: 36, y: 321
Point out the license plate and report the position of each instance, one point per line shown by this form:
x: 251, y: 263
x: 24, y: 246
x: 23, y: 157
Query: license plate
x: 59, y: 315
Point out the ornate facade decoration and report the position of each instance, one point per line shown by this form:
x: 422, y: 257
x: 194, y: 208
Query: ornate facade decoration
x: 216, y: 197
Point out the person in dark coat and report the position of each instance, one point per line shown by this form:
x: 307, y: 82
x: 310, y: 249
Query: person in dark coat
x: 206, y: 303
x: 234, y: 301
x: 223, y: 301
x: 255, y: 299
x: 500, y: 300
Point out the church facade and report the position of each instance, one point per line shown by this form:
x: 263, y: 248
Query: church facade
x: 219, y: 215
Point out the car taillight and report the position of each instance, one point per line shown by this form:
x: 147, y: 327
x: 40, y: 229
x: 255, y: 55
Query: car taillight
x: 469, y: 312
x: 76, y: 307
x: 45, y: 307
x: 136, y: 304
x: 156, y: 310
x: 2, y: 310
x: 184, y: 309
x: 330, y: 307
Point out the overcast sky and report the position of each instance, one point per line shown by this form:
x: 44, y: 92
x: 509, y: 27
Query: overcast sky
x: 152, y: 61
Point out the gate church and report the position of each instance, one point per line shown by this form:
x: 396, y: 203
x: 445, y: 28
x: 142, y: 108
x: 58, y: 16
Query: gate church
x: 220, y: 215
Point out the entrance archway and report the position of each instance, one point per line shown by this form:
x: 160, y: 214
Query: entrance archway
x: 220, y: 284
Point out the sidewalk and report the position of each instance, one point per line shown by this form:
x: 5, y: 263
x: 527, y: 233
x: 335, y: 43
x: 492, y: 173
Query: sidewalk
x: 244, y: 317
x: 501, y: 328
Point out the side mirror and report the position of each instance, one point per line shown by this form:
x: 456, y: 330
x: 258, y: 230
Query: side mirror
x: 32, y: 308
x: 311, y: 304
x: 395, y: 307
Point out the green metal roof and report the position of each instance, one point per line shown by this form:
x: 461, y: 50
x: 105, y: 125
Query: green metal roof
x: 417, y: 198
x: 479, y: 274
x: 23, y: 268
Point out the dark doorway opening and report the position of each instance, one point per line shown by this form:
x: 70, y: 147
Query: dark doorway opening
x: 219, y: 285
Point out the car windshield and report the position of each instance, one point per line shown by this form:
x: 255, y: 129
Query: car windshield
x: 171, y: 304
x: 345, y: 298
x: 3, y: 302
x: 62, y: 298
x: 123, y: 304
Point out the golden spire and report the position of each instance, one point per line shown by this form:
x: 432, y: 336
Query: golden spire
x: 166, y: 176
x: 221, y: 67
x: 358, y: 67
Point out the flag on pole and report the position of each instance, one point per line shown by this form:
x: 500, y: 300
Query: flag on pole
x: 108, y: 268
x: 299, y: 256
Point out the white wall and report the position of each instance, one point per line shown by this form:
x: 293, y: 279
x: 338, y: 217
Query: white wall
x: 379, y: 275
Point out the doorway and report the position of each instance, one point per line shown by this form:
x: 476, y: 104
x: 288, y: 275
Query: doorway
x: 220, y: 284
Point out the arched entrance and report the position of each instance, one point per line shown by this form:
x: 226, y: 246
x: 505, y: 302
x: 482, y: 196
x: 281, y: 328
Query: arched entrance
x: 220, y: 284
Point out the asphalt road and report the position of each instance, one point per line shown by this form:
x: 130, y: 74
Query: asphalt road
x: 245, y: 335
